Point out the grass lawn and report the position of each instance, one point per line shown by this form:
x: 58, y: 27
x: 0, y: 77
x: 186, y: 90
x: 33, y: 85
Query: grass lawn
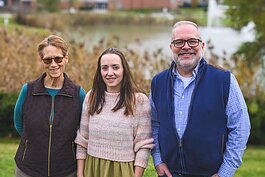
x: 253, y: 161
x: 7, y: 151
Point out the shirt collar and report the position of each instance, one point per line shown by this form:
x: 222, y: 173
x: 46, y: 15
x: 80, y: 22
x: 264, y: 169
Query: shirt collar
x: 175, y: 72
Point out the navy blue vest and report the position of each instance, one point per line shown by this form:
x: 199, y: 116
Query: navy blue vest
x: 200, y: 151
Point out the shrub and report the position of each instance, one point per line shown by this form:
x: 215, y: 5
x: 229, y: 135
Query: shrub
x: 256, y: 109
x: 7, y: 104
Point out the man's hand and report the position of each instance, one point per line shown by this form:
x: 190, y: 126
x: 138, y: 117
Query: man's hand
x: 162, y: 169
x: 215, y: 175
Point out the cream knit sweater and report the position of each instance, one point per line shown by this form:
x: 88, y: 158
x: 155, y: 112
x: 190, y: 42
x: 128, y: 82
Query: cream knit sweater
x: 114, y: 136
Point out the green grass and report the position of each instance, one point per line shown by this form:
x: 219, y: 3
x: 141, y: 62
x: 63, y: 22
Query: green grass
x: 11, y: 20
x: 197, y: 15
x: 253, y: 161
x: 7, y: 152
x: 12, y: 24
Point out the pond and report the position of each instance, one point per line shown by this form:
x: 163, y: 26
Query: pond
x: 150, y: 38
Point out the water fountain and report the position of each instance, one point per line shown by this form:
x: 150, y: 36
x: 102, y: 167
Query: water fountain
x: 225, y: 40
x: 215, y: 13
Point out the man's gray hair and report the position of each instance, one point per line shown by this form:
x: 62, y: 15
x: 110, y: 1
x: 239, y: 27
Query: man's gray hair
x: 180, y: 23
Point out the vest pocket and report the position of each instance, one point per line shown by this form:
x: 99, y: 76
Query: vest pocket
x: 25, y: 150
x: 222, y: 145
x: 73, y: 150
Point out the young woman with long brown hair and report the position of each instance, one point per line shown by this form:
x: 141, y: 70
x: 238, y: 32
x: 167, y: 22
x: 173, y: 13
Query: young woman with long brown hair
x: 114, y: 139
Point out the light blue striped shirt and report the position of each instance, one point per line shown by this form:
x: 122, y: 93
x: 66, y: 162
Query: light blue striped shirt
x: 238, y: 122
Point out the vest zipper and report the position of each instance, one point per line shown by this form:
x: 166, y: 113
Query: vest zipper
x: 50, y: 140
x: 24, y: 153
x: 49, y: 151
x: 181, y: 155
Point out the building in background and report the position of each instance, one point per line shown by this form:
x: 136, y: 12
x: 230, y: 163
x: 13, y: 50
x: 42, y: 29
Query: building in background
x: 31, y: 5
x: 21, y: 5
x: 143, y: 4
x: 94, y: 4
x: 194, y: 3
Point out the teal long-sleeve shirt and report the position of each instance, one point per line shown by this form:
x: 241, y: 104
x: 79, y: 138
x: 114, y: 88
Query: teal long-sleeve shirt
x: 18, y: 118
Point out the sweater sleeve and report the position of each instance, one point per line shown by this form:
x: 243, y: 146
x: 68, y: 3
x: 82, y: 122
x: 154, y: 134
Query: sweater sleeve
x: 83, y: 132
x: 143, y: 141
x: 18, y: 119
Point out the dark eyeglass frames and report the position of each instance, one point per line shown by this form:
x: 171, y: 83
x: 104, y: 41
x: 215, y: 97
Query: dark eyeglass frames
x: 179, y: 43
x: 48, y: 60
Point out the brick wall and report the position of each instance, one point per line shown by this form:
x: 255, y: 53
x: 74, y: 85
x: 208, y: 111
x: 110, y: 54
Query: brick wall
x: 142, y: 4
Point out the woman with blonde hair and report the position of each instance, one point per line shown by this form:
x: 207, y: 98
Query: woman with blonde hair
x: 47, y: 116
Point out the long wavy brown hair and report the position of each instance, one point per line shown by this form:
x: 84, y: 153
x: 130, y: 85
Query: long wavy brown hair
x: 127, y: 92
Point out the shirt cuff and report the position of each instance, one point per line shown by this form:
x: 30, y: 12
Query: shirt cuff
x: 157, y: 159
x: 81, y: 152
x: 226, y: 171
x: 141, y: 158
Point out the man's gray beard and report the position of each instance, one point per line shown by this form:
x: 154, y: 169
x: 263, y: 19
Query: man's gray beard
x: 189, y: 67
x: 186, y: 67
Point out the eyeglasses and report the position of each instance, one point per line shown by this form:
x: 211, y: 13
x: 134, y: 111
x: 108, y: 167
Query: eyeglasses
x: 48, y: 60
x: 179, y: 43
